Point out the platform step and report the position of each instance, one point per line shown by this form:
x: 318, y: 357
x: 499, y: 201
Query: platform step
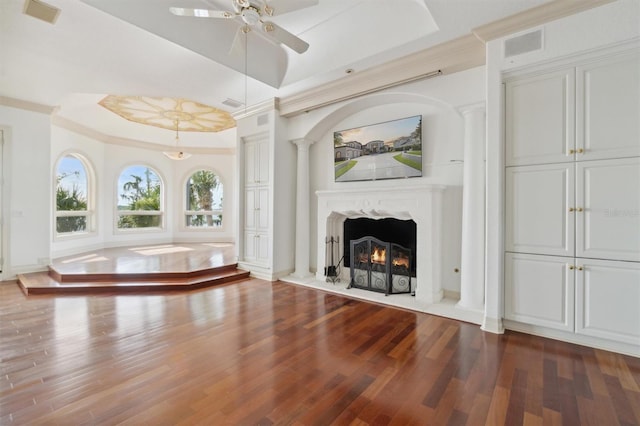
x: 46, y: 283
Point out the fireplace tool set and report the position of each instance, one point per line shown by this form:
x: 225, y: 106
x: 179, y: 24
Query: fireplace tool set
x: 332, y: 272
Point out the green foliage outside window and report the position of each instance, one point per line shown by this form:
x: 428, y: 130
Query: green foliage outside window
x: 140, y: 193
x: 204, y: 194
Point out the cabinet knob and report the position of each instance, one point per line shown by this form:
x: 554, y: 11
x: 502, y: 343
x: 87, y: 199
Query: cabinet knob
x: 571, y: 209
x: 257, y: 236
x: 572, y: 151
x: 579, y: 209
x: 571, y: 267
x: 580, y: 268
x: 580, y: 151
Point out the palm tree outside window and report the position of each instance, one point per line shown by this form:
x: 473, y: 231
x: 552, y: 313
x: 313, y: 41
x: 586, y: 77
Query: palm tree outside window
x: 204, y: 194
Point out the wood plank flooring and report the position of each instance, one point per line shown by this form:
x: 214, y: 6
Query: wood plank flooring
x: 262, y: 353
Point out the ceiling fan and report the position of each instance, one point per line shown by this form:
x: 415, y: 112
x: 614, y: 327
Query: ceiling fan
x: 251, y: 15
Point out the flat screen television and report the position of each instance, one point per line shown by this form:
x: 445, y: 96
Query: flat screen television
x: 388, y: 150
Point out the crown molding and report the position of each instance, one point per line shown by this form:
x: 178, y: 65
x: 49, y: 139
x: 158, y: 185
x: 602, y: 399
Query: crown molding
x: 26, y: 105
x: 74, y: 127
x: 269, y: 105
x: 535, y: 16
x: 449, y: 57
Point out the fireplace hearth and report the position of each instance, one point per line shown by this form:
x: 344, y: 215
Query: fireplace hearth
x: 380, y: 266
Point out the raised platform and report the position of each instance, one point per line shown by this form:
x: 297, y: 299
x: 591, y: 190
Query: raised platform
x: 163, y: 267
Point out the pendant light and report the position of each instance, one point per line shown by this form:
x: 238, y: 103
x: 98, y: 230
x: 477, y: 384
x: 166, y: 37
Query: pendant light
x: 177, y: 154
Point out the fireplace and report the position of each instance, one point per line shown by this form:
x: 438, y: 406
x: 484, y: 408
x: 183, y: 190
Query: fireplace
x: 380, y: 266
x: 421, y: 204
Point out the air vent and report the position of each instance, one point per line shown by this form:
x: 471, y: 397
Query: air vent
x: 263, y: 119
x: 41, y: 10
x: 232, y: 103
x: 524, y: 43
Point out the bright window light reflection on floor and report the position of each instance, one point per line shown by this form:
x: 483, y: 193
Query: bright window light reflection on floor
x: 86, y: 259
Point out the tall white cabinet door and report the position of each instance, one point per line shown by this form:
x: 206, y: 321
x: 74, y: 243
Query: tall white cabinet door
x: 608, y: 116
x: 262, y: 209
x: 608, y: 193
x: 540, y: 114
x: 608, y: 300
x: 539, y: 290
x: 250, y: 205
x: 256, y: 162
x: 539, y: 209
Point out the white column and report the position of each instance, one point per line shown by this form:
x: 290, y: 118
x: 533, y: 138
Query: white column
x: 473, y: 209
x: 302, y: 210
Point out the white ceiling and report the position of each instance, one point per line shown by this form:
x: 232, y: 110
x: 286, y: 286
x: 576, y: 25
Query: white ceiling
x: 88, y: 53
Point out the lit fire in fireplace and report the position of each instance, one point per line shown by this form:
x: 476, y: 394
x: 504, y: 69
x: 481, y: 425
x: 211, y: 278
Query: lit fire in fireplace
x: 379, y: 256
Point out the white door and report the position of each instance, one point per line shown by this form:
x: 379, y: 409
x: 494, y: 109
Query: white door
x: 608, y: 209
x: 608, y: 117
x: 539, y: 290
x: 540, y: 117
x: 540, y: 209
x: 608, y: 300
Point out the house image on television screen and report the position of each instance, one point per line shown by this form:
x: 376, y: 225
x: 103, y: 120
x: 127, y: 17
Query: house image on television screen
x: 389, y: 150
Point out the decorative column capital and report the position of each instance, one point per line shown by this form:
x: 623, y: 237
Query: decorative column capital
x: 472, y: 108
x: 302, y: 143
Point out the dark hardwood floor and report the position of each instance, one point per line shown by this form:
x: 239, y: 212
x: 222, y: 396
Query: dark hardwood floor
x: 261, y: 353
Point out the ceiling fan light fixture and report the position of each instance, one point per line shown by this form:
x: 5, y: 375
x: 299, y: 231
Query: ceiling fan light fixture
x: 250, y: 15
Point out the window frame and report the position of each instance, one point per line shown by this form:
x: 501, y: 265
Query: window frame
x: 120, y: 213
x: 185, y: 199
x: 90, y: 213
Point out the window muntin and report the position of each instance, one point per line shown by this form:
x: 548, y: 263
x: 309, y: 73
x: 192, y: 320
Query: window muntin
x: 139, y: 203
x: 72, y: 212
x: 204, y: 195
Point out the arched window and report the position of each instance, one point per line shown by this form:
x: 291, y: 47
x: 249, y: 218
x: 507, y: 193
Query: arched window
x: 139, y: 198
x: 73, y: 213
x: 204, y: 200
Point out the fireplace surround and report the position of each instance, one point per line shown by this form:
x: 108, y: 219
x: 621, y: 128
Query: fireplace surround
x: 420, y: 203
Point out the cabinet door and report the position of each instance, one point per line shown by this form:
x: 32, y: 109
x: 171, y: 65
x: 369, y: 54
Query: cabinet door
x: 251, y: 154
x: 250, y: 249
x: 262, y: 209
x: 251, y: 203
x: 262, y: 160
x: 539, y: 290
x: 539, y: 200
x: 256, y: 162
x: 608, y: 300
x: 608, y: 115
x: 608, y: 193
x: 262, y: 248
x: 540, y: 117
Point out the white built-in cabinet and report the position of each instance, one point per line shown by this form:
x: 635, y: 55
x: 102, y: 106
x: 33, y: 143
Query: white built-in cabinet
x: 256, y: 232
x: 572, y: 199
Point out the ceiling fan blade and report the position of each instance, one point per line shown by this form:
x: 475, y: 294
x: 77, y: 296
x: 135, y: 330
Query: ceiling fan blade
x: 285, y: 37
x: 201, y: 13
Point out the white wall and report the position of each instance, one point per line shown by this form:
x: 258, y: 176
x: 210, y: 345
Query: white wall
x: 27, y: 190
x: 593, y: 32
x: 437, y: 100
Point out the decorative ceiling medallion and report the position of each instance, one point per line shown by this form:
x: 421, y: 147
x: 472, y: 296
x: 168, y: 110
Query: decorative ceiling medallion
x: 190, y: 116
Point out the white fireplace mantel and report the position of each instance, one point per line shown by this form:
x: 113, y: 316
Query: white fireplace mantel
x: 422, y: 203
